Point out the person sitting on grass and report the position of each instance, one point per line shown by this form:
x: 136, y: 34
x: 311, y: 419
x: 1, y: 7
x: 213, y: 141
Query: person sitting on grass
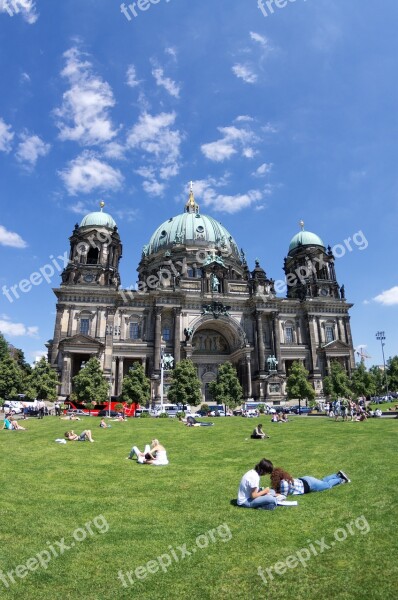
x: 283, y: 483
x: 84, y: 436
x: 275, y: 418
x: 7, y: 423
x: 104, y: 425
x: 258, y: 433
x: 250, y: 494
x: 15, y: 425
x: 155, y: 454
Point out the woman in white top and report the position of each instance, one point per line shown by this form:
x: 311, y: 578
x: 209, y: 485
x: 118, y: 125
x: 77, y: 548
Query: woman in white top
x: 250, y: 495
x: 155, y: 454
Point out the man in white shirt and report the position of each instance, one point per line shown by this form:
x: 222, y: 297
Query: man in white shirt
x: 250, y: 495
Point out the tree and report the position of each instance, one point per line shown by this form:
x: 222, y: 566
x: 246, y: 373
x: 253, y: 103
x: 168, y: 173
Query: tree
x: 136, y: 387
x: 337, y: 384
x: 90, y: 385
x: 4, y: 349
x: 297, y: 385
x: 43, y: 381
x: 226, y: 389
x: 392, y: 373
x: 362, y: 382
x: 11, y: 378
x: 185, y: 386
x: 379, y: 379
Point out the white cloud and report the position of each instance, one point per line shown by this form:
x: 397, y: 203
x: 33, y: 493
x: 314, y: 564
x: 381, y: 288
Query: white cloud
x: 244, y: 72
x: 171, y: 52
x: 153, y: 135
x: 233, y: 138
x: 27, y: 8
x: 6, y: 136
x: 9, y: 238
x: 260, y: 39
x: 84, y: 114
x: 207, y: 192
x: 114, y: 150
x: 168, y: 84
x: 79, y: 208
x: 132, y: 80
x: 388, y: 297
x: 25, y: 78
x: 87, y: 173
x: 30, y: 149
x: 16, y: 329
x: 263, y: 170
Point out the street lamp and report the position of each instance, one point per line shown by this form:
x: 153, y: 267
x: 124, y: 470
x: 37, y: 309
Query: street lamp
x: 380, y: 335
x: 162, y: 349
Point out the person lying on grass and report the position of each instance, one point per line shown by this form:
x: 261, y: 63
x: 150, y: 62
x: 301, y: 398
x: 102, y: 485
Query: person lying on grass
x: 84, y: 436
x: 283, y: 483
x: 11, y: 424
x: 250, y: 494
x: 192, y: 422
x: 155, y: 454
x: 258, y: 433
x: 104, y: 425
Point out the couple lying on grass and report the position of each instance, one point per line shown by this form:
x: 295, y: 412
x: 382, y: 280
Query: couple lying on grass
x: 11, y: 424
x: 251, y: 495
x: 155, y: 454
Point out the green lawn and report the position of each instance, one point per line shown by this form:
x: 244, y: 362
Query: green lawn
x: 137, y: 513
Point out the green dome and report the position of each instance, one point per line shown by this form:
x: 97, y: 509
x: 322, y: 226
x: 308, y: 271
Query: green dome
x: 193, y: 229
x: 305, y: 238
x: 99, y: 219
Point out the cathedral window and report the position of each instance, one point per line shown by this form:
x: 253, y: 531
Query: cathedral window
x: 166, y: 334
x: 92, y: 256
x: 134, y: 331
x: 329, y: 333
x: 84, y: 326
x: 289, y: 334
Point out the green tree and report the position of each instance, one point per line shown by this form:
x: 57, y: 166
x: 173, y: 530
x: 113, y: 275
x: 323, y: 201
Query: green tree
x: 297, y: 386
x: 379, y: 379
x: 12, y: 380
x: 136, y: 387
x: 4, y: 349
x: 185, y: 386
x: 362, y: 382
x: 337, y: 384
x: 90, y: 385
x: 392, y: 374
x: 226, y: 389
x: 42, y: 382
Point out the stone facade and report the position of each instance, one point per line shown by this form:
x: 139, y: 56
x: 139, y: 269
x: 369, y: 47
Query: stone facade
x: 196, y: 298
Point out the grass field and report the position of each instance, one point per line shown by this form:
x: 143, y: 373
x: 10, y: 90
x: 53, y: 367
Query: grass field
x: 136, y: 513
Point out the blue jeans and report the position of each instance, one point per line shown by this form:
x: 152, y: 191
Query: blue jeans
x: 267, y: 502
x: 318, y: 485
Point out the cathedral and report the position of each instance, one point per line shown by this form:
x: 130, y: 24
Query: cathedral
x: 197, y: 298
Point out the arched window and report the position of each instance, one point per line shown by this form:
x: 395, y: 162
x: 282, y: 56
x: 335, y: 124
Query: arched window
x: 166, y: 333
x: 84, y: 326
x: 135, y: 333
x: 93, y: 256
x: 329, y: 333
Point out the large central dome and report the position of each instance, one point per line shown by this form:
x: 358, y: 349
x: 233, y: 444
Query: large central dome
x: 192, y: 229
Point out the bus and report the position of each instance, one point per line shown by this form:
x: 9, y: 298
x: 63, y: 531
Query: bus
x: 129, y: 410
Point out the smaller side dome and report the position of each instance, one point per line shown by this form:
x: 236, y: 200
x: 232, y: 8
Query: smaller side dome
x: 305, y: 238
x: 98, y: 219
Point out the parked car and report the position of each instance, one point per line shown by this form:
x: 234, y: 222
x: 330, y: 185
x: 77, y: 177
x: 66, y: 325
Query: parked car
x: 76, y: 412
x: 140, y: 411
x: 105, y: 413
x: 13, y: 406
x: 301, y: 410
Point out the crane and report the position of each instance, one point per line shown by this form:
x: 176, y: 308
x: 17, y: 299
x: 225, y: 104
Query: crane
x: 360, y: 351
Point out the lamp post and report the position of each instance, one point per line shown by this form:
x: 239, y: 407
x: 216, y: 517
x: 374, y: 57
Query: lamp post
x: 380, y: 335
x: 162, y: 349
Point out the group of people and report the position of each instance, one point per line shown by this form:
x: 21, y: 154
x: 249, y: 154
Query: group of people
x: 279, y: 418
x: 252, y: 495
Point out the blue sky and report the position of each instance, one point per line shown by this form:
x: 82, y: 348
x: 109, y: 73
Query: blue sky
x: 276, y: 117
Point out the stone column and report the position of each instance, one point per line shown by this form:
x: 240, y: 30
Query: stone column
x: 177, y: 335
x: 110, y: 324
x: 120, y: 375
x: 98, y: 324
x: 113, y: 376
x: 340, y: 328
x: 157, y: 337
x: 298, y: 330
x: 249, y: 377
x: 320, y: 337
x: 347, y: 328
x: 312, y: 343
x: 57, y: 335
x: 277, y: 340
x: 260, y: 342
x: 66, y: 373
x: 70, y: 321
